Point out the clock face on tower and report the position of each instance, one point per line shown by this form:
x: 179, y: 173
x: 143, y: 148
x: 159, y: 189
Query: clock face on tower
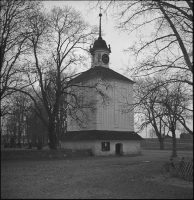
x: 105, y: 58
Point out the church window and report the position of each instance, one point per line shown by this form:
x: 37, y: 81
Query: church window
x: 105, y: 146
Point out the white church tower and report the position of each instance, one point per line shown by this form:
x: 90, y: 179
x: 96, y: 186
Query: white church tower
x: 109, y: 130
x: 100, y: 52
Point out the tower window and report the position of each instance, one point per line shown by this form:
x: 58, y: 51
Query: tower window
x: 105, y: 146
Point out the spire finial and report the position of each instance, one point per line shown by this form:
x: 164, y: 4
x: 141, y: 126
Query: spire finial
x: 100, y: 15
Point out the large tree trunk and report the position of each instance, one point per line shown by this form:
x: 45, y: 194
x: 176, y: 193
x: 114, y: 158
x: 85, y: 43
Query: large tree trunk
x: 174, y: 150
x: 161, y: 140
x: 52, y: 137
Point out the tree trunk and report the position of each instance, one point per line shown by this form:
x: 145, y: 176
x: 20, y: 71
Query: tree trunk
x: 14, y: 135
x: 52, y: 137
x: 28, y: 138
x: 19, y: 134
x: 58, y: 131
x: 180, y: 41
x: 174, y: 150
x: 161, y: 140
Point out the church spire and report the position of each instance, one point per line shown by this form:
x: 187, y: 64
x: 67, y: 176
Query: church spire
x: 100, y: 15
x: 100, y: 52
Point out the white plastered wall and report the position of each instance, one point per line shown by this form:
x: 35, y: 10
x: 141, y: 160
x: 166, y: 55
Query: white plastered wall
x: 130, y: 147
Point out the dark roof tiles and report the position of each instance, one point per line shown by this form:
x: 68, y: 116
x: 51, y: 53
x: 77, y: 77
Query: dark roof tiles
x: 102, y: 72
x: 100, y: 135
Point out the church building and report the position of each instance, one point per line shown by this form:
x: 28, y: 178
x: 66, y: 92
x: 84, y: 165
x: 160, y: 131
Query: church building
x: 108, y: 129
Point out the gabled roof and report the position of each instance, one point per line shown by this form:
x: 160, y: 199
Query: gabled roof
x: 99, y: 71
x: 100, y: 135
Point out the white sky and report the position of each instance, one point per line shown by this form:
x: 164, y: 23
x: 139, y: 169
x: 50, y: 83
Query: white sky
x: 117, y: 40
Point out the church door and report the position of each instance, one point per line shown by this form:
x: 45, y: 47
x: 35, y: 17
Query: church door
x: 118, y: 149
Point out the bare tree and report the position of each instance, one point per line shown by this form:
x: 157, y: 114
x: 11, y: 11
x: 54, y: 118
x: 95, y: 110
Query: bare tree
x: 161, y: 105
x: 174, y: 100
x: 165, y: 33
x: 57, y: 43
x: 147, y: 109
x: 15, y: 121
x: 14, y: 35
x: 178, y: 100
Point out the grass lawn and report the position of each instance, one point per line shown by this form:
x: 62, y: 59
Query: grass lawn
x: 153, y: 143
x: 93, y: 177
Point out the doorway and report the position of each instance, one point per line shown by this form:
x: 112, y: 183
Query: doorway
x: 119, y: 149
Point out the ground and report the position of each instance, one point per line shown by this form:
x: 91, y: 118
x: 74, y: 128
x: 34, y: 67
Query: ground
x: 94, y: 177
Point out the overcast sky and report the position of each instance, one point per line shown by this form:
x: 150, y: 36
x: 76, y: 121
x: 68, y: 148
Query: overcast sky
x: 117, y: 40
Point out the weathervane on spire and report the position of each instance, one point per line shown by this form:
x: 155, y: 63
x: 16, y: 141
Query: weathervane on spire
x: 100, y: 15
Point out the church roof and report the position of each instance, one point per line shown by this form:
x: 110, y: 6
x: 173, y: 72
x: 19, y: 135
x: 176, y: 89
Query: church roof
x: 102, y: 72
x: 100, y: 135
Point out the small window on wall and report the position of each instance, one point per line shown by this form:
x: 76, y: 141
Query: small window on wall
x: 105, y: 146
